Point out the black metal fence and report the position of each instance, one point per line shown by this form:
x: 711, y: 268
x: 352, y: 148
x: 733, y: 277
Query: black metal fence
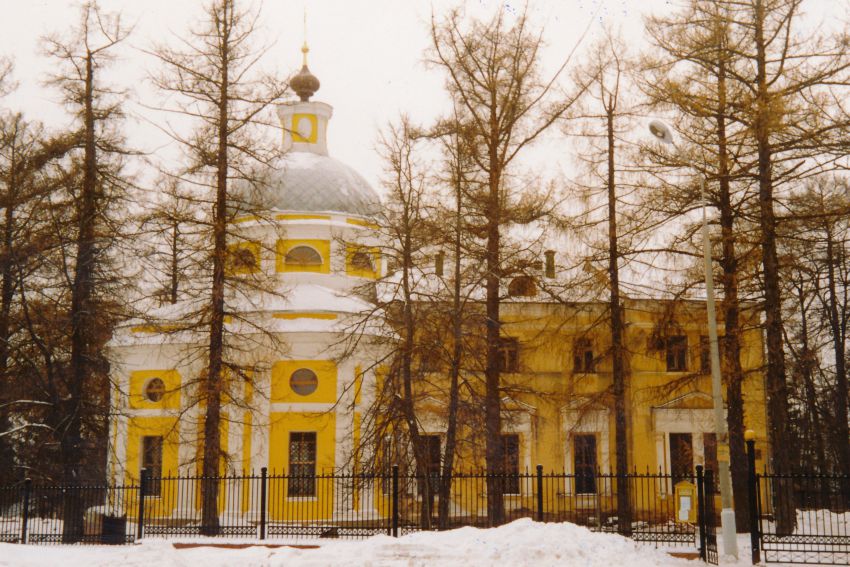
x: 799, y: 518
x: 795, y: 518
x: 343, y: 505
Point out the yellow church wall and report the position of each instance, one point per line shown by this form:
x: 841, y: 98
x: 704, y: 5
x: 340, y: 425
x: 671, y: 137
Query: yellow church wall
x: 326, y: 373
x: 282, y: 507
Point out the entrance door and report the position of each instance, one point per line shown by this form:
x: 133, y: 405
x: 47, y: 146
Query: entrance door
x: 681, y: 456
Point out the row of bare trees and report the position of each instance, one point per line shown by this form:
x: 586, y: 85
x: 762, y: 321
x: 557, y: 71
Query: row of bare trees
x: 759, y: 106
x: 71, y: 234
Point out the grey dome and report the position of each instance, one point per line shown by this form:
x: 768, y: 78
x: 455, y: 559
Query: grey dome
x: 311, y: 182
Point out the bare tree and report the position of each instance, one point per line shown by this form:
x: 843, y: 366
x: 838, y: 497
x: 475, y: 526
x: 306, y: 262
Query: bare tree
x: 96, y: 191
x: 606, y: 116
x: 818, y: 239
x: 492, y: 74
x: 689, y: 72
x: 215, y: 77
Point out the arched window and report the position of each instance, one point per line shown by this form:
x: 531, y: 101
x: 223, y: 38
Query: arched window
x: 361, y: 260
x: 522, y: 286
x: 303, y: 382
x: 154, y: 390
x: 303, y: 256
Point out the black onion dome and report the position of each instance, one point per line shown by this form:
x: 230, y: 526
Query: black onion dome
x: 305, y: 84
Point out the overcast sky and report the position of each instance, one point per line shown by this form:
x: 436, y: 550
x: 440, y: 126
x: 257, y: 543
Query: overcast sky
x: 368, y: 55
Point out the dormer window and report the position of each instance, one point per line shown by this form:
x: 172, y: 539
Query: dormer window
x: 303, y: 256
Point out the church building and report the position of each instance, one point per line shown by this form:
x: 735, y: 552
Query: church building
x: 297, y: 411
x: 308, y: 389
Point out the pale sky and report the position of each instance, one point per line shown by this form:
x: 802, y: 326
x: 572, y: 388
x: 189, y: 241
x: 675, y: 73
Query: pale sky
x: 368, y: 55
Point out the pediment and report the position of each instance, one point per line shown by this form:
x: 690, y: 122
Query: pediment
x: 690, y: 401
x: 511, y: 405
x: 584, y: 404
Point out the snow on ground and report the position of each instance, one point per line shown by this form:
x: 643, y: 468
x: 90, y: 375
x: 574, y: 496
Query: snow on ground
x: 518, y: 544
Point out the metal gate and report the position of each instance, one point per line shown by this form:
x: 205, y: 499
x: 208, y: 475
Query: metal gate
x: 706, y: 516
x: 796, y: 518
x: 803, y: 519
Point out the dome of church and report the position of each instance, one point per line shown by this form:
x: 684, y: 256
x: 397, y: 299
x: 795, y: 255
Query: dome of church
x: 306, y: 181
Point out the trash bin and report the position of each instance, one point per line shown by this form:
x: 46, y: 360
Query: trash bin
x: 114, y: 530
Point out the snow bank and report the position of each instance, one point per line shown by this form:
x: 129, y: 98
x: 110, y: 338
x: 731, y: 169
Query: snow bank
x: 520, y: 543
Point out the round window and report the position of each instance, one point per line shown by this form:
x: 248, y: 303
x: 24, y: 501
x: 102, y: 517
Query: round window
x: 154, y: 390
x: 303, y: 382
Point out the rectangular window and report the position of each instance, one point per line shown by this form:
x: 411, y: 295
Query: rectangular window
x: 508, y: 355
x: 677, y: 353
x: 432, y: 465
x: 681, y: 456
x: 583, y: 356
x: 152, y: 462
x: 584, y: 463
x: 302, y: 463
x: 510, y: 463
x: 709, y: 447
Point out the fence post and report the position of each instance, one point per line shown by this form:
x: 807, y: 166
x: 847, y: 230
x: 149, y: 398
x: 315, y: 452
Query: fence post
x: 140, y: 517
x: 703, y: 531
x: 263, y: 478
x: 395, y: 501
x: 752, y: 492
x: 539, y: 493
x: 26, y: 511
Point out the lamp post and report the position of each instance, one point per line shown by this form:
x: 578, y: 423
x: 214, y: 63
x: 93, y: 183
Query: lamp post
x: 664, y: 134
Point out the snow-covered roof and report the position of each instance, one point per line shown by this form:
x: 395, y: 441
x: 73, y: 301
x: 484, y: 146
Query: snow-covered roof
x: 304, y: 181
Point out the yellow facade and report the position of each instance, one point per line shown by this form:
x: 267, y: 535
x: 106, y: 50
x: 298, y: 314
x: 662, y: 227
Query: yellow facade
x: 548, y: 402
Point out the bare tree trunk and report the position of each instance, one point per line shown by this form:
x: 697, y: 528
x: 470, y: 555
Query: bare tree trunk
x: 807, y: 365
x: 454, y: 371
x: 492, y: 389
x: 624, y: 512
x: 212, y: 416
x: 82, y: 321
x: 841, y: 434
x: 777, y: 388
x: 174, y: 286
x: 733, y: 371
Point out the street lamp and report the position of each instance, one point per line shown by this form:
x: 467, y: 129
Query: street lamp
x: 664, y: 134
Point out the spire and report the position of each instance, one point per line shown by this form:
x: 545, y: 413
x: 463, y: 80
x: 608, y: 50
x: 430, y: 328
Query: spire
x: 305, y: 84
